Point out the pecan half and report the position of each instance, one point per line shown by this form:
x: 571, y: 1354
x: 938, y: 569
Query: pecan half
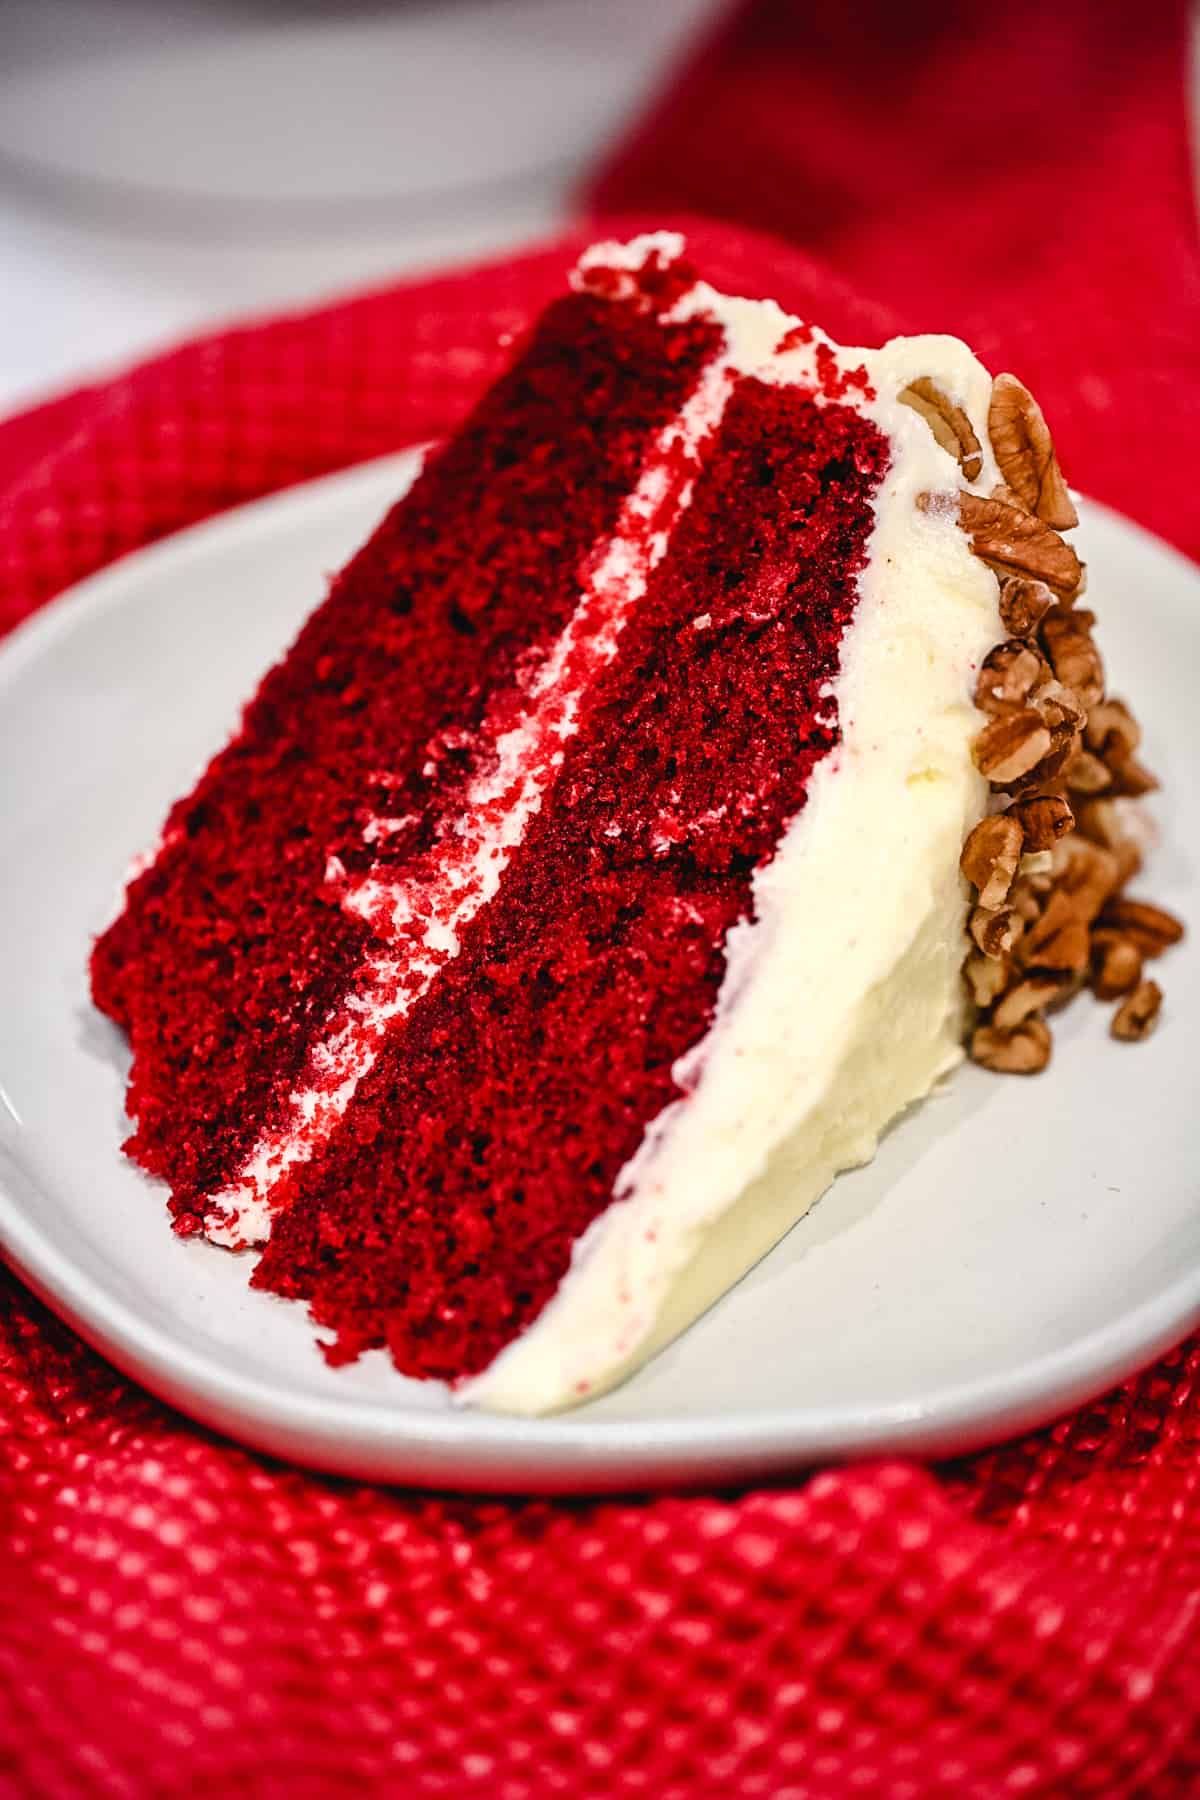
x: 1137, y: 1014
x: 1024, y: 603
x: 1024, y: 1051
x: 990, y: 856
x: 1044, y: 819
x: 1116, y: 964
x: 1152, y: 928
x: 948, y: 423
x: 1011, y: 745
x: 1024, y: 451
x: 1072, y: 654
x: 1016, y: 543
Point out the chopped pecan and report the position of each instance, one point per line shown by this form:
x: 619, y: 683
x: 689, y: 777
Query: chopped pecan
x: 1024, y: 451
x: 1131, y: 777
x: 1050, y: 869
x: 995, y: 932
x: 1024, y: 1051
x: 948, y: 423
x: 1021, y: 1002
x: 1008, y: 675
x: 1104, y: 823
x: 1116, y: 964
x: 1011, y: 745
x: 1112, y: 730
x: 1086, y: 875
x: 1056, y: 913
x: 1025, y: 899
x: 1016, y: 543
x: 1063, y: 717
x: 990, y: 856
x: 1072, y: 654
x: 1152, y: 928
x: 1086, y: 774
x: 1065, y: 950
x: 1129, y: 861
x: 1044, y: 818
x: 1101, y: 821
x: 1024, y: 603
x: 986, y: 976
x: 1061, y: 708
x: 1048, y: 771
x: 1137, y: 1014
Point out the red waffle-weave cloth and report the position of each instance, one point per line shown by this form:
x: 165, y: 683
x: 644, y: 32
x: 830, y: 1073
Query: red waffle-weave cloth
x: 179, y: 1616
x: 1019, y: 175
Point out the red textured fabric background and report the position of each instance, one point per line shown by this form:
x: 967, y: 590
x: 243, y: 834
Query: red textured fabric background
x: 1019, y: 175
x: 177, y: 1615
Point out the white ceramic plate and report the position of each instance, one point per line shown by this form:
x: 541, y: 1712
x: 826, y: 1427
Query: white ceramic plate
x: 1014, y: 1248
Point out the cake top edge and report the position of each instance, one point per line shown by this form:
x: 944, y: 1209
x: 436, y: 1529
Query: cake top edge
x: 764, y: 340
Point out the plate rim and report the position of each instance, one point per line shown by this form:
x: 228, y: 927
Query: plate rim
x: 492, y: 1453
x: 359, y: 1436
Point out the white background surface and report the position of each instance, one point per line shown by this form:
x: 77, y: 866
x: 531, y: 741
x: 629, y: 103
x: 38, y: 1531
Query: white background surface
x: 165, y: 164
x: 1015, y: 1246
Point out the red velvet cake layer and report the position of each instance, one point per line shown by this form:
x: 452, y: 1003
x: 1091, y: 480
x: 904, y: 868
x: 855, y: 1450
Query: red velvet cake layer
x: 442, y: 1215
x: 233, y: 946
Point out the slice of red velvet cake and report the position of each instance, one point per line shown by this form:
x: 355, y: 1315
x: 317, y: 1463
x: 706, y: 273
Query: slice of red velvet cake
x: 582, y: 891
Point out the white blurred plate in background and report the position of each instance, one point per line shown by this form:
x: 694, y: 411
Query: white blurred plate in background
x: 243, y: 111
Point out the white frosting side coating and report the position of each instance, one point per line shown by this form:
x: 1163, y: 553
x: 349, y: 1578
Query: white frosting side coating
x: 842, y: 1000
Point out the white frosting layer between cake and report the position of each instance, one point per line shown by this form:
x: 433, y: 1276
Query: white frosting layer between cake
x: 842, y: 1000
